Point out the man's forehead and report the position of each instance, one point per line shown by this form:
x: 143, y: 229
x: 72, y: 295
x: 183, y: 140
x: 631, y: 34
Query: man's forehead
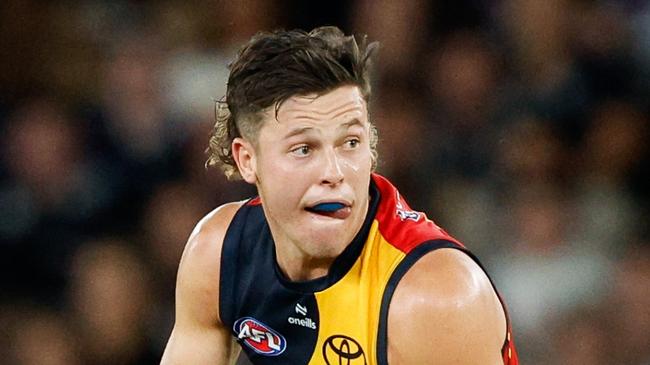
x: 345, y: 99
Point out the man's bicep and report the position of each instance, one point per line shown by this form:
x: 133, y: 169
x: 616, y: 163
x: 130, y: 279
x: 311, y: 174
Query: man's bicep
x: 212, y: 346
x: 199, y: 336
x: 445, y: 311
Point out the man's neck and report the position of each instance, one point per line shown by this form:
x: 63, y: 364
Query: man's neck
x: 299, y: 267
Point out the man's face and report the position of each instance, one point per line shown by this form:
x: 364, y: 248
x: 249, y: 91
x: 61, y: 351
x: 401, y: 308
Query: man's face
x: 317, y: 151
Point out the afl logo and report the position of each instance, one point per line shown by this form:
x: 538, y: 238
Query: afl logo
x: 340, y: 349
x: 259, y: 337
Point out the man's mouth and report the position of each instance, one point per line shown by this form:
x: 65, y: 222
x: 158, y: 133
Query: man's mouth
x: 331, y: 209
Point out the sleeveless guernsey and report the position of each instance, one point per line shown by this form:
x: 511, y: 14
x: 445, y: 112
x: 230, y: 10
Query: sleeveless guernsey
x: 336, y: 319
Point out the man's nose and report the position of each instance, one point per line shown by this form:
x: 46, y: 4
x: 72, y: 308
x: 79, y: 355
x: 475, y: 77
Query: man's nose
x: 332, y: 173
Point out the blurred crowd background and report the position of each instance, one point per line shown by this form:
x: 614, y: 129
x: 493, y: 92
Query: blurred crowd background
x: 521, y: 126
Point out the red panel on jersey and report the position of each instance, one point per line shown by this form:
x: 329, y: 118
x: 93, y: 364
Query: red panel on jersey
x: 401, y: 226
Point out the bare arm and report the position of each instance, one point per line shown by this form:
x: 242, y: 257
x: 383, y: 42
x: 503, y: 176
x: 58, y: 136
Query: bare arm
x: 445, y: 311
x: 198, y: 336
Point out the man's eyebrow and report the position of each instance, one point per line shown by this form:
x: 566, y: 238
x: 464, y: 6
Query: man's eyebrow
x: 306, y: 129
x: 350, y: 123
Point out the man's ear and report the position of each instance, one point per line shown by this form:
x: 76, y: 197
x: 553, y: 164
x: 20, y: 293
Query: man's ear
x: 244, y: 154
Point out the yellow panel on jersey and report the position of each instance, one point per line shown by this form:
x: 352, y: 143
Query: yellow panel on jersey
x: 349, y: 310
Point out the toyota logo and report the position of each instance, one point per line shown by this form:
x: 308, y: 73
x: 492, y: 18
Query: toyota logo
x: 343, y: 350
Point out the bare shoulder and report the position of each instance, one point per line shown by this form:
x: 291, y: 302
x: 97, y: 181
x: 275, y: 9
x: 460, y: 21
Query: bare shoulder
x: 198, y: 274
x: 207, y: 237
x: 445, y: 308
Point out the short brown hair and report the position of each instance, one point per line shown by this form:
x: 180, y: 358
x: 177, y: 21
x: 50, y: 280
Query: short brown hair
x: 271, y: 68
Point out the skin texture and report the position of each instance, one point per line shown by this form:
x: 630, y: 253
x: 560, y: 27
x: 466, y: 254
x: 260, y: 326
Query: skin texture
x: 444, y: 311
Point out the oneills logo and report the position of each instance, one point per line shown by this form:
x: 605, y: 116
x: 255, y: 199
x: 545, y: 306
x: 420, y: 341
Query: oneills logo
x: 301, y: 309
x: 340, y: 349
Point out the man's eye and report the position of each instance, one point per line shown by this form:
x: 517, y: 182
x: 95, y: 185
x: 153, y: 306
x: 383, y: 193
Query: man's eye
x: 353, y: 143
x: 301, y: 151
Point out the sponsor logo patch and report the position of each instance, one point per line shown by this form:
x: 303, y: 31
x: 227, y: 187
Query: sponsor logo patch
x: 341, y: 349
x: 300, y: 309
x: 259, y: 337
x: 403, y: 213
x: 304, y: 322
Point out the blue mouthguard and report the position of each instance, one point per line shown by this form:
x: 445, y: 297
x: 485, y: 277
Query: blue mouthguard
x: 328, y: 207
